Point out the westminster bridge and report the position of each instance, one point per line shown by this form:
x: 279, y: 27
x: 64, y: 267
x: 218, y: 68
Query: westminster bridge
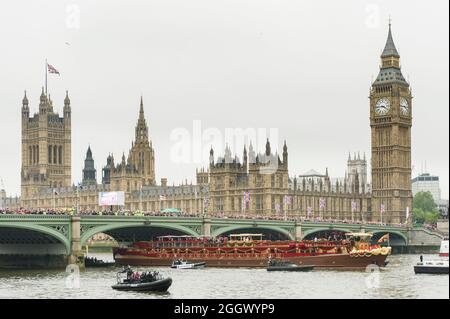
x: 65, y: 235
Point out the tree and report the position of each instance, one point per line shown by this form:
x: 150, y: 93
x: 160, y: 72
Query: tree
x: 424, y: 208
x: 424, y: 201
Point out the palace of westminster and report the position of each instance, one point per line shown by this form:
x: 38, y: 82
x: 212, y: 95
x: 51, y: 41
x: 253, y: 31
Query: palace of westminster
x: 46, y: 180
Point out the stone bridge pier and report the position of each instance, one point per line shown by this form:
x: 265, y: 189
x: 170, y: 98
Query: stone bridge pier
x: 76, y: 255
x: 206, y: 227
x: 298, y: 231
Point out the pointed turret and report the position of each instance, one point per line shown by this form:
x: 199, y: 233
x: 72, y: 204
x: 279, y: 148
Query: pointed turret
x: 141, y: 127
x: 141, y: 109
x: 50, y: 103
x: 268, y: 151
x: 25, y: 110
x: 89, y: 152
x: 89, y: 171
x: 43, y: 96
x: 285, y: 153
x: 25, y: 99
x: 211, y: 156
x: 67, y: 108
x: 245, y: 158
x: 251, y: 154
x: 66, y: 99
x: 390, y: 63
x: 43, y: 102
x: 389, y: 49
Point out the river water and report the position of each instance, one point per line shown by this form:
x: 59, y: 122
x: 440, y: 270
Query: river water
x: 397, y: 280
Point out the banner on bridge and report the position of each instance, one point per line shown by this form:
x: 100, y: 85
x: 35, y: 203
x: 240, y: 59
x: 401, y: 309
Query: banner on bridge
x: 111, y: 199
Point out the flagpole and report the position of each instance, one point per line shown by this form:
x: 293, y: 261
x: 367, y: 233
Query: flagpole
x: 46, y: 71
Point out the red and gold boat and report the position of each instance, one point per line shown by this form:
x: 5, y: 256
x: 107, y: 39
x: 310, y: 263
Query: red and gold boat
x: 250, y: 250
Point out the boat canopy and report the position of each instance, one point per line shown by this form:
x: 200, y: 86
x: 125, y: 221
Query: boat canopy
x: 359, y: 234
x: 246, y: 236
x: 176, y: 237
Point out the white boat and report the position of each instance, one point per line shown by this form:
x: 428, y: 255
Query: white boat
x: 183, y: 264
x: 435, y: 266
x: 444, y: 248
x: 438, y: 265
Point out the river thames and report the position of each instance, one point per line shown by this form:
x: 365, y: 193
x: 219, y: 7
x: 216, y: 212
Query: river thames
x: 397, y: 280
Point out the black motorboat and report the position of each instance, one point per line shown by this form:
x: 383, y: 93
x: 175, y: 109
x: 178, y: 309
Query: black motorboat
x: 146, y: 281
x: 90, y: 262
x: 281, y: 265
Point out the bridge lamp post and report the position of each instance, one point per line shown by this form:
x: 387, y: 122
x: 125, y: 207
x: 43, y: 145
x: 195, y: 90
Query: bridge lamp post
x: 382, y: 208
x: 140, y: 198
x: 78, y: 200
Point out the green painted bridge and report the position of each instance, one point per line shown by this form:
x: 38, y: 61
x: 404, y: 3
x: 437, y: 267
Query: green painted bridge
x: 72, y: 232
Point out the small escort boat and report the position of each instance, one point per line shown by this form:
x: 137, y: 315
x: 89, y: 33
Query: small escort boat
x: 97, y: 263
x: 438, y: 265
x: 281, y: 265
x: 143, y: 282
x: 183, y: 264
x: 432, y: 267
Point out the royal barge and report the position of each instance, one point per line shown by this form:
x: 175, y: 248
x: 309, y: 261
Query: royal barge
x: 251, y: 251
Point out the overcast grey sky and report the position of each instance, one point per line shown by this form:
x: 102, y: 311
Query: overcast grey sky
x: 303, y: 67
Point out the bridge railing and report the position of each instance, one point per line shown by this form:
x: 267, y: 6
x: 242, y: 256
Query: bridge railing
x: 31, y: 216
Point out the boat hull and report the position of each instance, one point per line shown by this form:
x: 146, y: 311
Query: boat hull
x: 430, y: 270
x: 190, y: 266
x: 157, y: 286
x: 290, y: 269
x: 99, y: 265
x: 329, y: 261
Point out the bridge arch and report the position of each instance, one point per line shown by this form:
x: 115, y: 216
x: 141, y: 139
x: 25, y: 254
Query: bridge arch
x: 310, y: 232
x: 257, y: 229
x: 111, y: 227
x: 61, y: 238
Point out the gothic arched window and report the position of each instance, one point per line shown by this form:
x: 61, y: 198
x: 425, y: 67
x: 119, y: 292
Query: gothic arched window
x: 49, y: 154
x: 55, y: 154
x: 60, y: 154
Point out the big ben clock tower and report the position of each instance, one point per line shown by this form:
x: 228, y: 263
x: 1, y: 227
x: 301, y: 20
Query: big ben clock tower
x: 390, y: 122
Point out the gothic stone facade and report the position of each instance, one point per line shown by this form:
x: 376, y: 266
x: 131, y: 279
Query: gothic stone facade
x: 264, y: 177
x: 221, y: 187
x: 46, y: 149
x: 390, y: 122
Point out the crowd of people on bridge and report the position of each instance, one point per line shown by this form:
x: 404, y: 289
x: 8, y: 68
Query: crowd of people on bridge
x: 123, y: 212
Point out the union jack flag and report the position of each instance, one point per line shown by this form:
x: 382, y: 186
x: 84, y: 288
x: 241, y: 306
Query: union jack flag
x: 51, y: 69
x: 322, y: 203
x: 288, y: 200
x: 354, y: 206
x: 246, y: 197
x: 309, y: 209
x: 277, y: 208
x: 382, y: 208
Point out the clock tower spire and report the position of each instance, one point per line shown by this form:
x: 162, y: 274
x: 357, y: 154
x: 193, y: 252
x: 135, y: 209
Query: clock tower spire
x: 390, y: 122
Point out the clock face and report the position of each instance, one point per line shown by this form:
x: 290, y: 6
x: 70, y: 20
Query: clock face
x: 383, y: 106
x: 404, y: 107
